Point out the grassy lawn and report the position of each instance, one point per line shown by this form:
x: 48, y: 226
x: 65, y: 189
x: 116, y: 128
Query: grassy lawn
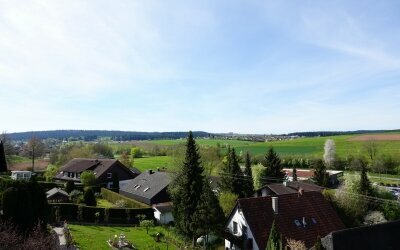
x: 375, y: 177
x: 95, y: 237
x: 153, y: 163
x: 104, y: 203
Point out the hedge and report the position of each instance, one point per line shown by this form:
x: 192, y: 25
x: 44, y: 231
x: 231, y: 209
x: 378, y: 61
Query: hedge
x: 113, y: 197
x: 69, y: 212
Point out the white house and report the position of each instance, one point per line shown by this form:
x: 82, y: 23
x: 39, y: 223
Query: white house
x: 163, y: 213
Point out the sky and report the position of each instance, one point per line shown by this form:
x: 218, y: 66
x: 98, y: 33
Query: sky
x: 217, y: 66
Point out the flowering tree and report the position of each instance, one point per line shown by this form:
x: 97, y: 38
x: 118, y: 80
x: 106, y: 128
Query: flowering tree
x: 329, y: 152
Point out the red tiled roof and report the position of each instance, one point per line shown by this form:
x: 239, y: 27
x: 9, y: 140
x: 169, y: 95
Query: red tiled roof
x: 300, y: 173
x: 311, y: 205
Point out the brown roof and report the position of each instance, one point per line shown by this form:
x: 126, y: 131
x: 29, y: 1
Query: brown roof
x: 311, y: 205
x: 292, y: 187
x: 279, y: 188
x: 99, y: 166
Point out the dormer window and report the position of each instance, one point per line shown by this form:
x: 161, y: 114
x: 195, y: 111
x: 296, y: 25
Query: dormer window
x: 235, y: 227
x: 109, y: 175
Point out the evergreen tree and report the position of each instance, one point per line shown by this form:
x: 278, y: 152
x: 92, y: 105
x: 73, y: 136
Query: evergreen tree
x: 3, y: 162
x: 272, y: 163
x: 232, y: 176
x: 226, y: 179
x: 69, y: 186
x: 274, y: 239
x: 365, y: 184
x: 247, y: 186
x: 186, y: 189
x: 294, y: 173
x: 320, y: 174
x: 208, y: 216
x: 89, y: 198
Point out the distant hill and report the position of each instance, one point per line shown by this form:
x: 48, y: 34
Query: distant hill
x: 90, y: 135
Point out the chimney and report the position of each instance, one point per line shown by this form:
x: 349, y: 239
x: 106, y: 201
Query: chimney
x: 150, y: 171
x: 275, y: 204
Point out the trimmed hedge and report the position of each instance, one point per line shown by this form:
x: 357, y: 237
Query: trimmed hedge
x: 113, y: 197
x: 69, y: 212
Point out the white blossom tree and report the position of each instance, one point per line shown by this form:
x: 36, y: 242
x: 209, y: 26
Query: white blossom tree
x: 329, y: 153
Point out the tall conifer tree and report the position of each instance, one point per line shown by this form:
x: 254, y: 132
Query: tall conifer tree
x: 320, y: 174
x: 186, y: 190
x: 274, y: 239
x: 3, y: 162
x: 274, y: 169
x: 232, y: 176
x: 248, y: 188
x: 294, y: 173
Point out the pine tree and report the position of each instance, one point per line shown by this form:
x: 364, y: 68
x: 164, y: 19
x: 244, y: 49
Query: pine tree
x: 232, y: 176
x: 186, y: 189
x: 294, y: 173
x: 3, y: 162
x: 274, y: 239
x: 365, y: 184
x: 247, y: 186
x: 274, y: 169
x: 208, y: 216
x: 320, y: 174
x: 89, y: 198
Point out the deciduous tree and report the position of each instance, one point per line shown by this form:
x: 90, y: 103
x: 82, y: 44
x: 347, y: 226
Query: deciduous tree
x: 329, y: 153
x: 320, y: 174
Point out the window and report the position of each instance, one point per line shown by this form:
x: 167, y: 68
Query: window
x: 146, y: 189
x: 235, y: 227
x: 138, y: 186
x: 109, y: 175
x: 297, y: 222
x: 244, y: 231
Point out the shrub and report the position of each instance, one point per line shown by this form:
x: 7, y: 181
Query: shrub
x: 69, y: 186
x: 89, y: 198
x: 88, y: 178
x: 120, y: 203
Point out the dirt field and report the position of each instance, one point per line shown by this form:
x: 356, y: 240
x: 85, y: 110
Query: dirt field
x: 388, y: 137
x: 39, y: 165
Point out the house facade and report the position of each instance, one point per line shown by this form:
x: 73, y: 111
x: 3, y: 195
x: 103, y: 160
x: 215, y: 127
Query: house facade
x: 300, y: 216
x: 104, y: 170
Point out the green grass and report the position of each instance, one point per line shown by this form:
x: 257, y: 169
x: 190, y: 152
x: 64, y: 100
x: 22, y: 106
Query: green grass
x: 104, y: 203
x: 153, y: 163
x: 95, y: 237
x: 302, y: 147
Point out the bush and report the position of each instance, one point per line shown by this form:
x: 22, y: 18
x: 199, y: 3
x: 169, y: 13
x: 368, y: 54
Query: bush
x: 69, y: 186
x: 120, y: 203
x: 88, y: 178
x: 88, y: 197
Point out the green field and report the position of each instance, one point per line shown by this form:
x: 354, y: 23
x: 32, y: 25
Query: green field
x: 95, y: 237
x: 153, y: 163
x: 302, y: 147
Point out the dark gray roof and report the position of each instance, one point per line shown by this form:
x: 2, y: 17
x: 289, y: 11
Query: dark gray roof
x: 147, y: 184
x: 54, y: 191
x: 379, y: 236
x: 291, y: 187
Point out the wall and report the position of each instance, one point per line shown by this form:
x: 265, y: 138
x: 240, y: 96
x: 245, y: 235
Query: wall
x: 241, y: 221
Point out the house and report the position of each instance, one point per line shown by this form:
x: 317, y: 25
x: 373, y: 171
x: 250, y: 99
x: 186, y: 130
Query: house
x: 163, y: 213
x: 57, y: 195
x: 149, y: 187
x: 104, y: 169
x: 300, y: 216
x: 21, y: 175
x: 287, y: 187
x: 306, y: 174
x: 379, y: 236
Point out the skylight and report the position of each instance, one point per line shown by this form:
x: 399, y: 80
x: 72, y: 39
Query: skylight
x: 146, y: 189
x: 138, y: 186
x: 297, y: 222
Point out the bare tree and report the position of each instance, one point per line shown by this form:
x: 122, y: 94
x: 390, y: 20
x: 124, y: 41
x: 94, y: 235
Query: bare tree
x: 34, y: 148
x: 329, y: 153
x: 371, y: 148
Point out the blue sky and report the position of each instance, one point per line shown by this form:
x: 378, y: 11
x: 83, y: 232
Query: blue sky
x: 217, y: 66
